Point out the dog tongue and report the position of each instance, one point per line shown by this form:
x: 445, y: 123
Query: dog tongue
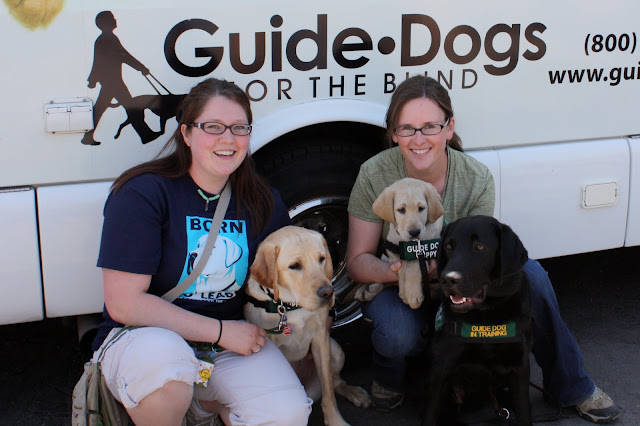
x: 457, y: 299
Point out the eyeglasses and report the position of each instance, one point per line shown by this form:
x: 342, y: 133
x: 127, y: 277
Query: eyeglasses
x: 214, y: 128
x: 428, y: 130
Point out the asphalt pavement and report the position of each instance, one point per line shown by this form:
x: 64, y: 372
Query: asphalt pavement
x: 598, y: 294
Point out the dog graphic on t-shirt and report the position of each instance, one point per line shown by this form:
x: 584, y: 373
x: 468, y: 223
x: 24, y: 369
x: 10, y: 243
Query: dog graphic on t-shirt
x: 219, y: 272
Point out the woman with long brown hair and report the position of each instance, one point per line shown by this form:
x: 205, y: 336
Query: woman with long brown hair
x: 156, y: 221
x: 423, y: 145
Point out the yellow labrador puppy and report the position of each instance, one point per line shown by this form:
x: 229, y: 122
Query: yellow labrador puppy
x: 289, y: 295
x: 416, y: 217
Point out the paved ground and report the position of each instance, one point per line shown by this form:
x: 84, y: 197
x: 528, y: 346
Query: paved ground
x: 598, y: 295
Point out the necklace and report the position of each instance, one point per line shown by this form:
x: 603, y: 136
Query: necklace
x: 207, y: 199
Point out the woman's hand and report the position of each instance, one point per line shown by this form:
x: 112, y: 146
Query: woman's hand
x: 363, y: 264
x: 242, y: 337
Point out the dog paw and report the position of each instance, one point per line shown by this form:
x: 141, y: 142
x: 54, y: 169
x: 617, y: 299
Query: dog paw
x: 412, y: 298
x: 354, y: 394
x: 359, y: 397
x: 366, y: 292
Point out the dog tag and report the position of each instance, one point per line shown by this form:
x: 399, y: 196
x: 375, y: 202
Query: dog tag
x: 283, y: 322
x: 287, y: 331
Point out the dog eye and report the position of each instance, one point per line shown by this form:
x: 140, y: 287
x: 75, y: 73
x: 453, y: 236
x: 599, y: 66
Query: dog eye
x: 480, y: 247
x: 420, y: 209
x: 448, y: 246
x: 295, y: 266
x: 402, y: 210
x: 322, y: 259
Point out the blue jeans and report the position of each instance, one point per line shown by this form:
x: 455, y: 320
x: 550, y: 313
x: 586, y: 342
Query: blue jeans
x: 398, y: 333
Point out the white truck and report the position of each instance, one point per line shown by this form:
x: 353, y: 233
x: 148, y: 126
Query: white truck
x: 545, y: 94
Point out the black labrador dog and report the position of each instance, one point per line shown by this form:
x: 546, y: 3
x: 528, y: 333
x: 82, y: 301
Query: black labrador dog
x: 483, y: 328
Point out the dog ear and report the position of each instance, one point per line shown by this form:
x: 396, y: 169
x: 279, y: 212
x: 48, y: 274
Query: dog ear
x: 513, y: 255
x: 435, y: 204
x: 264, y: 268
x: 328, y: 264
x: 383, y: 206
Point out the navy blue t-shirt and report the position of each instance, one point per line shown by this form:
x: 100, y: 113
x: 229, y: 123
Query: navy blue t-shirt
x: 159, y: 226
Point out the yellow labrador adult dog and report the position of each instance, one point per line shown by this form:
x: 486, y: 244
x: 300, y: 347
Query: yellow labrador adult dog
x: 290, y: 294
x: 416, y: 217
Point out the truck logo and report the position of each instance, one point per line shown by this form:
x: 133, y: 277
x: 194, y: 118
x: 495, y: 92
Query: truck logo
x: 108, y: 58
x: 411, y: 26
x: 421, y: 41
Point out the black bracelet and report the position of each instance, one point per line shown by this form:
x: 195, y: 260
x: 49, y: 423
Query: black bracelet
x: 219, y: 334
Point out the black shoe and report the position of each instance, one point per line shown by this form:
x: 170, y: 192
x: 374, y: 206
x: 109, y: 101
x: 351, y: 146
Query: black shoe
x: 384, y: 399
x: 87, y: 139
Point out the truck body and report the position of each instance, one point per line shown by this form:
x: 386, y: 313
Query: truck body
x: 544, y: 93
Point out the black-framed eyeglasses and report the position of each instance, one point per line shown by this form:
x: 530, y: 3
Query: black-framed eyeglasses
x: 215, y: 128
x: 428, y: 130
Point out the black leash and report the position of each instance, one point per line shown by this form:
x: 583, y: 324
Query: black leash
x: 504, y: 414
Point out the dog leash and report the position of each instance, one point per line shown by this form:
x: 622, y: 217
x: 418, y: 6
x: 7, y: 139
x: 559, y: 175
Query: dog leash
x: 421, y: 258
x: 504, y: 414
x: 158, y: 82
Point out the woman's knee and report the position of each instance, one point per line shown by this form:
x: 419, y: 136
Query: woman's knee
x: 292, y: 408
x: 397, y: 329
x: 144, y: 360
x: 397, y: 339
x: 165, y: 405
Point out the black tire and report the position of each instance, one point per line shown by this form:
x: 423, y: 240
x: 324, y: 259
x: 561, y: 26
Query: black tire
x: 314, y: 176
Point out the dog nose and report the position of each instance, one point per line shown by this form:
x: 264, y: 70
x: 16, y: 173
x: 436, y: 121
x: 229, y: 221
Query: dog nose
x: 414, y: 232
x: 325, y: 292
x: 451, y: 278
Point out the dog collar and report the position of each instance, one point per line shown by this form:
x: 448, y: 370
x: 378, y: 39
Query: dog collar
x: 420, y: 250
x: 507, y: 332
x: 279, y: 307
x: 271, y: 306
x: 415, y: 249
x: 412, y: 250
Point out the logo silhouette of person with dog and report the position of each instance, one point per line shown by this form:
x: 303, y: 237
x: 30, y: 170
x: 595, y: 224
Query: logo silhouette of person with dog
x: 108, y: 59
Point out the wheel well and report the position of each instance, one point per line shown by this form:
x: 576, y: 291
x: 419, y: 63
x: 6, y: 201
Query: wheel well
x: 359, y: 141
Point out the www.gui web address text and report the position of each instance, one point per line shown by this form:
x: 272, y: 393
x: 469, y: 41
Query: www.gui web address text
x: 612, y: 76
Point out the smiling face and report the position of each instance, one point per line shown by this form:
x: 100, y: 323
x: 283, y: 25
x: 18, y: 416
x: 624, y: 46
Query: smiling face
x: 424, y: 155
x: 215, y: 157
x: 479, y: 260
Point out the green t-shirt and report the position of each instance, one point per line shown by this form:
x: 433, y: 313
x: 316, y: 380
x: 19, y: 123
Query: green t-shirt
x: 469, y: 189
